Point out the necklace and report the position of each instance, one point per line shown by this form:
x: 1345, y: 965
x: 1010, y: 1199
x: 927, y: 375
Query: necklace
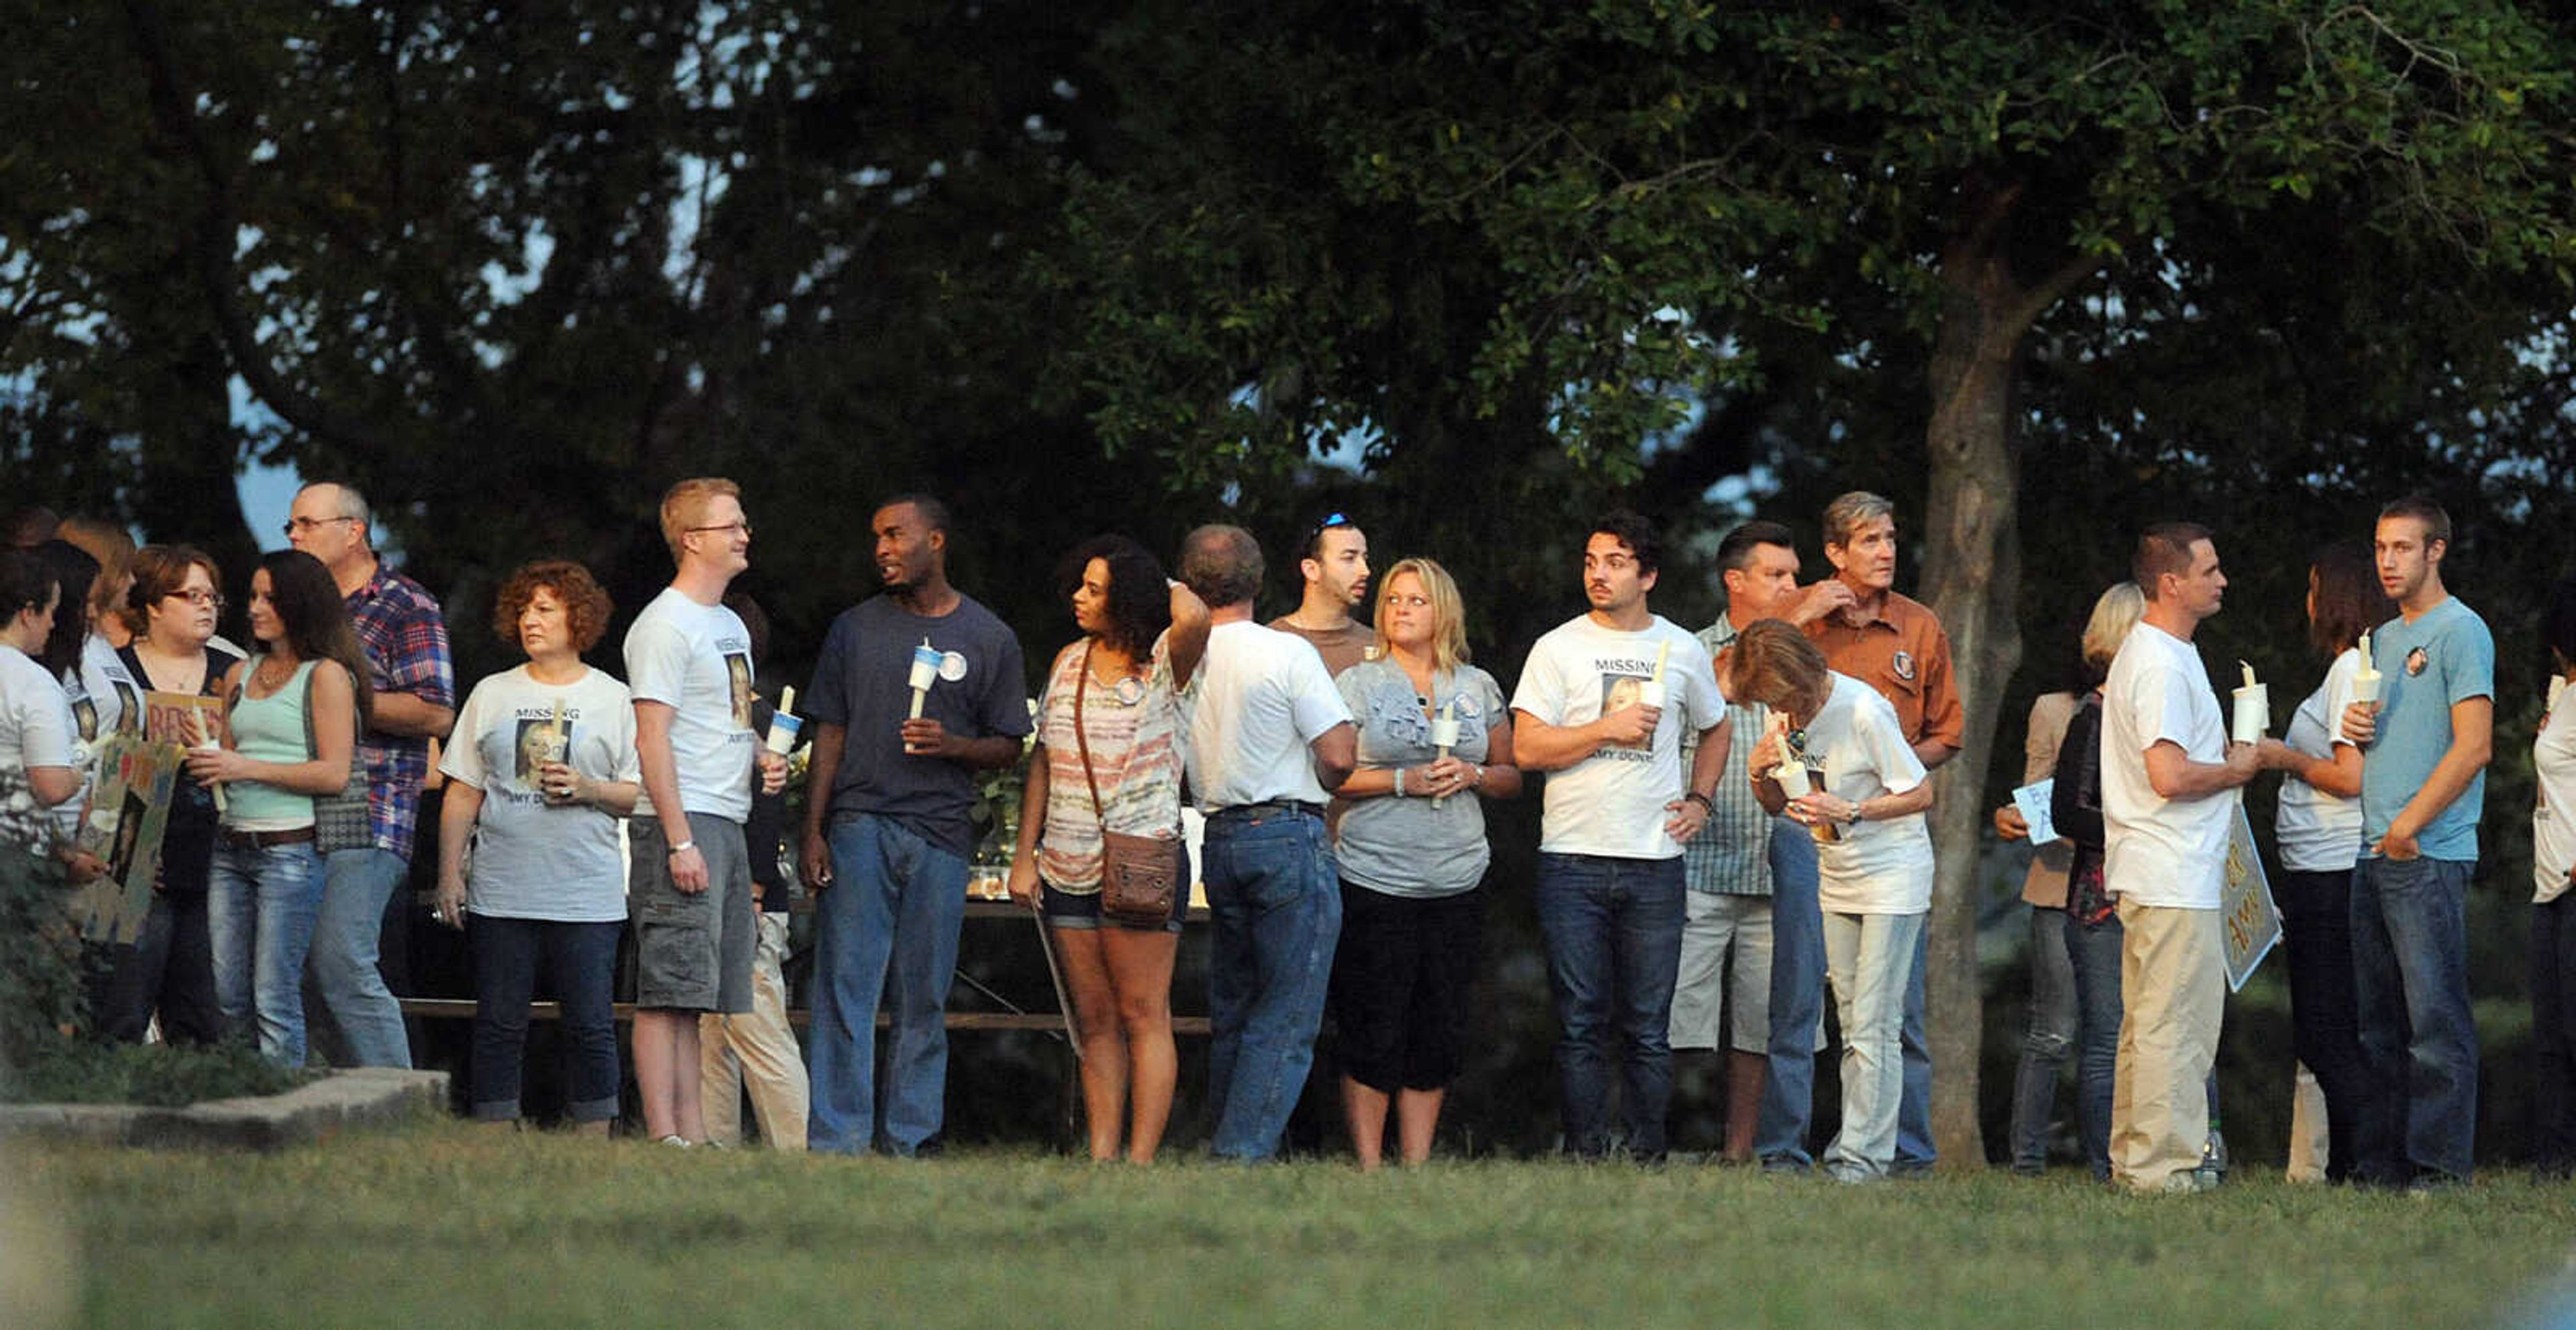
x: 1127, y: 688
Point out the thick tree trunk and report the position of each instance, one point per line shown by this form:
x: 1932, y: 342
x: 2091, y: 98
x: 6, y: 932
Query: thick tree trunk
x: 1972, y: 579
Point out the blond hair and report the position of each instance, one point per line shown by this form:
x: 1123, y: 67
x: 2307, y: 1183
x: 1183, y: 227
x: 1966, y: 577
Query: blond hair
x: 2114, y: 614
x: 683, y: 504
x: 113, y: 547
x: 1448, y: 611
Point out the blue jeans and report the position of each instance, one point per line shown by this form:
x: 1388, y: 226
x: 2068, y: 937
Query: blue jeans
x: 1797, y: 1000
x: 260, y: 911
x: 346, y: 938
x: 1276, y: 905
x: 580, y: 961
x: 1613, y: 929
x: 2046, y: 1036
x: 1914, y: 1152
x: 886, y: 927
x: 2418, y: 1042
x: 2093, y: 959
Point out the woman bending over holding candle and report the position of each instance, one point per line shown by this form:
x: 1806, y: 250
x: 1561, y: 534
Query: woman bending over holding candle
x: 1874, y: 875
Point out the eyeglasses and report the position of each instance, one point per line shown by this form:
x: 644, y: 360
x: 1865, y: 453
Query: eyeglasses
x: 201, y: 599
x: 1316, y: 532
x: 297, y: 525
x: 743, y: 527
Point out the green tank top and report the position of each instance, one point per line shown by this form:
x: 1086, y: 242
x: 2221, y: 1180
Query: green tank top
x: 270, y: 729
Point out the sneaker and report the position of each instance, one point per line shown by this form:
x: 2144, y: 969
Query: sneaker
x: 676, y: 1140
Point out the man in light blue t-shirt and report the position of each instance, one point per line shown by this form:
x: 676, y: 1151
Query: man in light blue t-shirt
x: 2425, y: 744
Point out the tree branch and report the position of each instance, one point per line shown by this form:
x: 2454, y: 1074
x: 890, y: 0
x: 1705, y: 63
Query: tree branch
x: 174, y: 110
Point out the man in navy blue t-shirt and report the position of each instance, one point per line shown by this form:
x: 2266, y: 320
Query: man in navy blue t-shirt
x: 886, y: 830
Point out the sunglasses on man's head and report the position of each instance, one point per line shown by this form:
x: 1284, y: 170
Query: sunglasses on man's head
x: 1316, y: 532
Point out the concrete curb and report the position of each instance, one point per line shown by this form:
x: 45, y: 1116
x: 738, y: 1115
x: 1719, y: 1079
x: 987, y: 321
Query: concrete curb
x: 357, y: 1098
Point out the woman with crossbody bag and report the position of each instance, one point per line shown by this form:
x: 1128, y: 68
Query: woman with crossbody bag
x: 1101, y: 817
x: 296, y: 709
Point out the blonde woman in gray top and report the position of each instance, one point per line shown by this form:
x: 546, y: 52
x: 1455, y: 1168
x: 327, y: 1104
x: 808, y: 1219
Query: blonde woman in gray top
x: 1435, y: 735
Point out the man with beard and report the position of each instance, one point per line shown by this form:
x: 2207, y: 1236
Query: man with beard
x: 1336, y: 568
x: 886, y: 830
x: 1602, y: 705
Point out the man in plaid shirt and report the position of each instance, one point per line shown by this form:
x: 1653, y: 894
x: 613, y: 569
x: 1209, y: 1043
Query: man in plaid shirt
x: 405, y: 638
x: 1734, y: 928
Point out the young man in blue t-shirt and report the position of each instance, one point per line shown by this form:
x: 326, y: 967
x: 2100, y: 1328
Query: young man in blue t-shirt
x: 2425, y: 743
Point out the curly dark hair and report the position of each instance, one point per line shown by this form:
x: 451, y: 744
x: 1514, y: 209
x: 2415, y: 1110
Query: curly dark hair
x: 586, y: 606
x: 1139, y: 606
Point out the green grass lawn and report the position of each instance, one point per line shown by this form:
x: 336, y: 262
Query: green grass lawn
x: 445, y: 1225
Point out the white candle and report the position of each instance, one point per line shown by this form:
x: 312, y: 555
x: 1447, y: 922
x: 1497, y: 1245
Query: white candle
x: 2365, y: 681
x: 206, y: 743
x: 1444, y: 736
x: 2253, y: 708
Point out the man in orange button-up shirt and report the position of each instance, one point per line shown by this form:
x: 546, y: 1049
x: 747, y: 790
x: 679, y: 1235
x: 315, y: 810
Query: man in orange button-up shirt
x: 1895, y: 645
x: 1876, y: 635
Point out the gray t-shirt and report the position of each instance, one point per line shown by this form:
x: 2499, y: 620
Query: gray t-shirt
x: 532, y: 859
x: 864, y: 683
x: 696, y: 659
x: 1406, y: 846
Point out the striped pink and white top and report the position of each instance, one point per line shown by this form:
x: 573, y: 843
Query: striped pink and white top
x: 1134, y: 732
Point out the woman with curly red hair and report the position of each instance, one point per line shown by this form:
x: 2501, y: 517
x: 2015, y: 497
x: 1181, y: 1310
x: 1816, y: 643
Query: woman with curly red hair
x: 542, y: 762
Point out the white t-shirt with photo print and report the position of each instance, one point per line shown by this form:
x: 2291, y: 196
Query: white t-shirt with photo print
x: 532, y: 859
x: 1615, y: 802
x: 696, y: 659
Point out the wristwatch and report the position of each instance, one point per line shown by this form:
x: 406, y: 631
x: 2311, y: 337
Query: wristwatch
x: 1706, y: 804
x: 1854, y: 819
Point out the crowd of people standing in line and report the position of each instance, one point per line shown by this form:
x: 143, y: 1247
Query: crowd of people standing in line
x: 1733, y: 829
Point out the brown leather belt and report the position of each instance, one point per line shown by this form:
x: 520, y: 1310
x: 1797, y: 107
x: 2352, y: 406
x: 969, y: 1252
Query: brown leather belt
x: 261, y: 840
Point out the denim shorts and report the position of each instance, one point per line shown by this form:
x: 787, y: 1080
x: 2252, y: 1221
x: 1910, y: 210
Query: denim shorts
x: 693, y: 950
x: 1067, y: 909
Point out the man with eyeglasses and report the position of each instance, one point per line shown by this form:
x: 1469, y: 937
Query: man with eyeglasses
x: 1334, y: 563
x: 1603, y: 701
x: 916, y: 691
x: 405, y: 638
x: 688, y: 665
